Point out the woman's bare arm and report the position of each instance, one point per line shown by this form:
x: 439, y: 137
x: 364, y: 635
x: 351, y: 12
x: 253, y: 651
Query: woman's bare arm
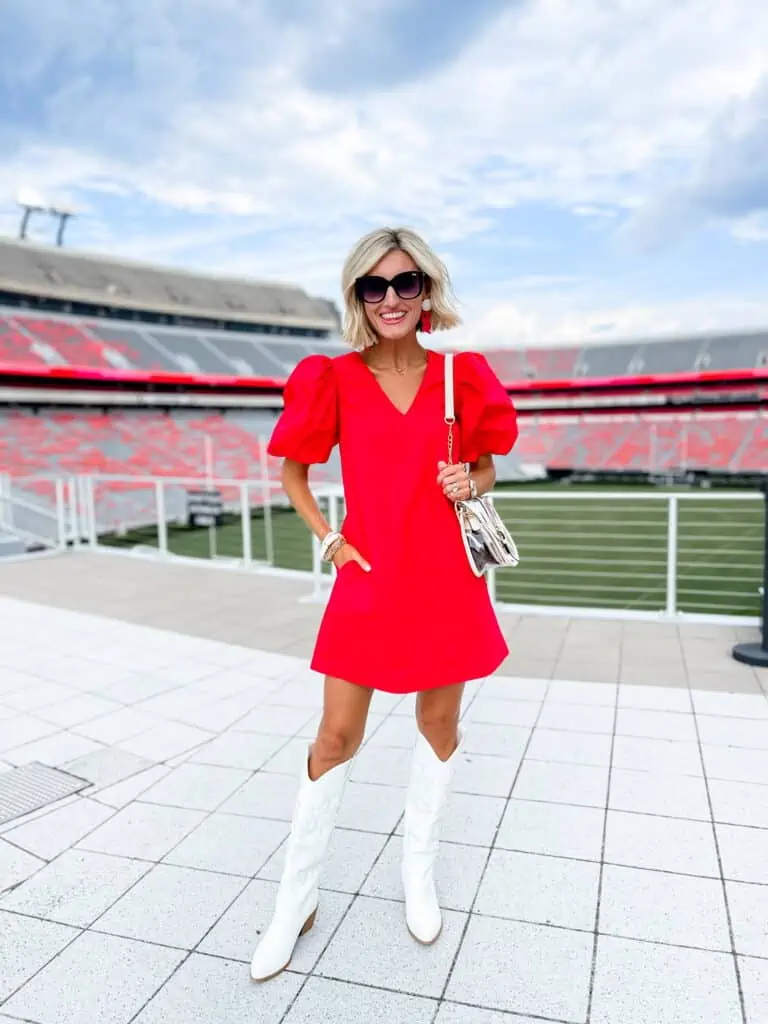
x: 483, y: 472
x: 295, y: 480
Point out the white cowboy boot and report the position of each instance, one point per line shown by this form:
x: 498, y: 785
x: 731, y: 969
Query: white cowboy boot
x: 314, y: 817
x: 424, y: 806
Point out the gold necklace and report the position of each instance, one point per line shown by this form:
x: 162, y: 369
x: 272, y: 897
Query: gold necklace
x: 398, y: 369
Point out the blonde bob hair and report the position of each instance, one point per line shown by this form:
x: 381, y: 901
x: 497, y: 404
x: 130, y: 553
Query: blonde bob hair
x: 372, y: 248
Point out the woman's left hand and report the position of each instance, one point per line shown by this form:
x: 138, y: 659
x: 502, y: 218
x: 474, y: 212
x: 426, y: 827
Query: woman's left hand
x: 454, y: 481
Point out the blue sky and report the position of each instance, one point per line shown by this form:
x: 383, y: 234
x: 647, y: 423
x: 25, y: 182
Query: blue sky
x: 588, y: 170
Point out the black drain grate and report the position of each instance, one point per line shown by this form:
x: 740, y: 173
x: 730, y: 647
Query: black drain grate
x: 33, y: 786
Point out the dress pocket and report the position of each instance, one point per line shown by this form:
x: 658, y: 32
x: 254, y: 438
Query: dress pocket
x: 352, y: 590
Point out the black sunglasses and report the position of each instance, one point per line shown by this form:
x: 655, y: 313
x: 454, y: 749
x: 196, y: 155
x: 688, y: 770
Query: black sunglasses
x: 408, y: 285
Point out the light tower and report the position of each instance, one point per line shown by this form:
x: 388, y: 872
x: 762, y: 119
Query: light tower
x: 64, y: 213
x: 30, y: 202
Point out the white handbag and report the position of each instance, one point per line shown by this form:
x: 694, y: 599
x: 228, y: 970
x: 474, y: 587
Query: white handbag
x: 487, y: 541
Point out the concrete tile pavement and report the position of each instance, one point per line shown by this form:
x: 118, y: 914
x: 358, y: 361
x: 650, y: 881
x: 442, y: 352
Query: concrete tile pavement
x: 274, y: 613
x: 605, y: 855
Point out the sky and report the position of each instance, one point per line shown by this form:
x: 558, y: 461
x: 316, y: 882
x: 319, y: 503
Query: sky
x: 588, y: 170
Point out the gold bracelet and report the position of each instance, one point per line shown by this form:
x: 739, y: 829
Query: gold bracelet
x: 331, y: 543
x: 334, y: 549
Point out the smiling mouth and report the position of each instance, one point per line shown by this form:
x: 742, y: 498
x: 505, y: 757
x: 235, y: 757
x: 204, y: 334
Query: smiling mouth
x: 392, y: 318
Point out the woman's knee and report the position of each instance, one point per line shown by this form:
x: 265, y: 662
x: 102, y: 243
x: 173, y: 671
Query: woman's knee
x: 441, y: 721
x: 336, y: 742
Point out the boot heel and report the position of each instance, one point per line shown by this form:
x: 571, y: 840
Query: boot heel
x: 305, y: 928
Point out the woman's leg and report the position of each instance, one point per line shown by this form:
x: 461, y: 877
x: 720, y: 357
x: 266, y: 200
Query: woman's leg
x: 434, y: 759
x: 437, y: 716
x: 321, y: 786
x: 342, y: 727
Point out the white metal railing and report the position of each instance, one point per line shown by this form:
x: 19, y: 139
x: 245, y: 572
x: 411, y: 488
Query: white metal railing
x: 37, y: 521
x: 636, y: 554
x: 627, y: 553
x: 149, y: 515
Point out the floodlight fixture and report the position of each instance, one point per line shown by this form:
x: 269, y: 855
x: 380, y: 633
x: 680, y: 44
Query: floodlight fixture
x: 30, y: 202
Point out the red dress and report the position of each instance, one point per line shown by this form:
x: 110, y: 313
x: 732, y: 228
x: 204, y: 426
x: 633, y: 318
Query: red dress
x: 420, y: 618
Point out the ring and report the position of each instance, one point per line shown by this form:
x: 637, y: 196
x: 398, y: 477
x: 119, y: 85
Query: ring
x: 454, y: 489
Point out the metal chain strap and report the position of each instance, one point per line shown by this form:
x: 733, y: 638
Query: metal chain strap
x: 450, y: 422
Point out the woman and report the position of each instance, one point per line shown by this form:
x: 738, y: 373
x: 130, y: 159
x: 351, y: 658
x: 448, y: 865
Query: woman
x: 406, y: 613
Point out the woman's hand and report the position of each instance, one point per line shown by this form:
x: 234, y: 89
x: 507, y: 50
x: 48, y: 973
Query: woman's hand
x: 348, y: 553
x: 454, y: 481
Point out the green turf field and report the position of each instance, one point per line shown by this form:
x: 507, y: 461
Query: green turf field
x: 588, y: 551
x: 600, y: 552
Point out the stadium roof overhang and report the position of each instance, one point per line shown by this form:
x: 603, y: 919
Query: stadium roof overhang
x: 70, y: 294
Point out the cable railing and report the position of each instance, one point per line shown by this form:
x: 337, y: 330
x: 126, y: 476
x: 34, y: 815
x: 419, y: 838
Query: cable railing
x: 660, y: 554
x: 640, y: 554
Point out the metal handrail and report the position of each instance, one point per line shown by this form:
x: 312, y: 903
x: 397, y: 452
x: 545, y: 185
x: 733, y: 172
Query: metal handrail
x: 579, y: 551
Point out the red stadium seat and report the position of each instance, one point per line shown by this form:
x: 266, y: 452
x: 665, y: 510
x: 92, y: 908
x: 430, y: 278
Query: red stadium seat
x: 16, y: 347
x: 140, y: 443
x: 735, y: 442
x: 48, y: 341
x: 73, y: 344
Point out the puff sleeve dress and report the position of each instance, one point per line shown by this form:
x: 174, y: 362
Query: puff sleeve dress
x: 420, y: 618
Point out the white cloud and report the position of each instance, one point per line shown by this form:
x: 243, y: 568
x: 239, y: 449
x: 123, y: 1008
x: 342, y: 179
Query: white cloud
x: 752, y: 228
x: 594, y: 108
x: 560, y: 321
x: 530, y: 283
x: 566, y: 99
x: 590, y: 211
x: 727, y: 182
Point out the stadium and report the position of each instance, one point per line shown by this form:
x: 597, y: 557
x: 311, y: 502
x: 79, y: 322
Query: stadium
x: 137, y: 400
x: 183, y: 189
x: 604, y: 852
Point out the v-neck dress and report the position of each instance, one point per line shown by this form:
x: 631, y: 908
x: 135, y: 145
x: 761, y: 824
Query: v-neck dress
x: 420, y: 618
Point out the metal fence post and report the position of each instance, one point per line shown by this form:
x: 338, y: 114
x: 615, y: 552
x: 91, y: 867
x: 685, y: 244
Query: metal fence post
x: 61, y: 512
x: 672, y: 519
x: 757, y: 653
x: 10, y: 522
x: 93, y: 537
x: 74, y: 523
x: 81, y: 489
x: 5, y: 501
x: 334, y: 521
x: 266, y: 502
x: 162, y: 525
x: 317, y: 568
x: 491, y: 574
x: 245, y: 517
x: 333, y: 511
